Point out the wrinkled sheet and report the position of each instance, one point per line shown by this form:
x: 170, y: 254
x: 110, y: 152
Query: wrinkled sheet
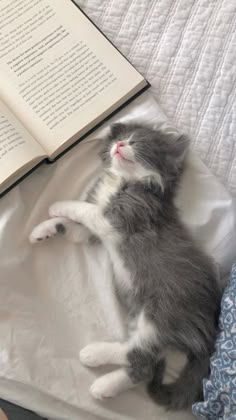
x: 57, y: 297
x: 187, y: 50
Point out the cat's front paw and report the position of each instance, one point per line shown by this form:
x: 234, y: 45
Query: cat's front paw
x: 48, y: 229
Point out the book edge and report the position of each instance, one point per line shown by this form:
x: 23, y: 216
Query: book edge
x: 21, y: 178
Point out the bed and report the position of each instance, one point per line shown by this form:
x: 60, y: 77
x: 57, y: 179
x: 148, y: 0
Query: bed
x: 51, y: 301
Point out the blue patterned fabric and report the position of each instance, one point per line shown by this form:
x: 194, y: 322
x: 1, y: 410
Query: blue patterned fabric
x: 220, y: 389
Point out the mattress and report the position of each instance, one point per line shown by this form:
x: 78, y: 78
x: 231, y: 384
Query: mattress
x: 187, y: 50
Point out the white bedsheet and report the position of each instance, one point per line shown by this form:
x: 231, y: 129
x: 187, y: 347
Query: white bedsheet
x: 187, y: 50
x: 57, y: 297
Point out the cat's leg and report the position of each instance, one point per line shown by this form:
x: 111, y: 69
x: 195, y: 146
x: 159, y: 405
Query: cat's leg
x: 111, y: 384
x: 143, y: 334
x: 77, y: 221
x: 138, y: 357
x: 138, y: 366
x: 104, y: 353
x: 72, y: 231
x: 88, y: 214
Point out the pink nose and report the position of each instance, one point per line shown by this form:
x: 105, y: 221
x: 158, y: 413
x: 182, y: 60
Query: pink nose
x: 119, y: 144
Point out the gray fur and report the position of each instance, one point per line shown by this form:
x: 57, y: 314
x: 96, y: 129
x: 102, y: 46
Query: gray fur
x: 174, y: 282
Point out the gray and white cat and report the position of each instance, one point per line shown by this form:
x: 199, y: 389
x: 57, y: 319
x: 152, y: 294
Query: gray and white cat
x: 163, y: 279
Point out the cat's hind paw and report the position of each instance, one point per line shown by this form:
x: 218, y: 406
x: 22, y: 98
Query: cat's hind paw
x: 111, y: 384
x: 101, y: 389
x: 91, y: 355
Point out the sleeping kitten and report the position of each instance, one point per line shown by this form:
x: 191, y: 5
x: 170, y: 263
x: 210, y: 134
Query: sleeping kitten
x: 165, y: 282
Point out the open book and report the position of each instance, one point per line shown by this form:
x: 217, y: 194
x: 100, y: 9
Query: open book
x: 60, y: 77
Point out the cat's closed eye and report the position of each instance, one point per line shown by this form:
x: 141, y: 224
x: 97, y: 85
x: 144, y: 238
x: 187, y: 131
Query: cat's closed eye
x: 131, y: 142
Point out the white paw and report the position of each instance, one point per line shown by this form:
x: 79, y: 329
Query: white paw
x: 111, y: 384
x: 101, y: 389
x: 48, y: 229
x: 91, y: 356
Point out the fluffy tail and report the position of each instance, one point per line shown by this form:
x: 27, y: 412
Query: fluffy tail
x: 186, y: 390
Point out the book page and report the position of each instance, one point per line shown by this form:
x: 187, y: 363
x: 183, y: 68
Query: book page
x: 17, y: 147
x: 58, y: 72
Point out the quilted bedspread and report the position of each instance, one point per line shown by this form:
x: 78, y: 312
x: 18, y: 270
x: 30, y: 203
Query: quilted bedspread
x: 187, y: 50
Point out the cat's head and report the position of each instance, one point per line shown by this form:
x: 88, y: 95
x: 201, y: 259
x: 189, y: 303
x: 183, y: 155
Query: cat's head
x: 136, y: 152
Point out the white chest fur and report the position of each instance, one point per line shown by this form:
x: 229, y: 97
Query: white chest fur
x: 107, y: 187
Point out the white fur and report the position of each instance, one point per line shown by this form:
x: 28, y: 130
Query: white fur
x: 134, y: 172
x: 106, y: 188
x: 111, y: 384
x: 90, y: 215
x: 144, y: 333
x: 99, y: 354
x: 47, y: 229
x: 74, y: 232
x: 128, y: 167
x: 126, y: 151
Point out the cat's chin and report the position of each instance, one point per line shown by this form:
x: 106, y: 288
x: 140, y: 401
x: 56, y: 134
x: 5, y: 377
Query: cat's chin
x: 120, y: 168
x: 120, y: 161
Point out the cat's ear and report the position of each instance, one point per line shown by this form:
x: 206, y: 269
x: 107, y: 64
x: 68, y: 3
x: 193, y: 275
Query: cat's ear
x: 116, y: 130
